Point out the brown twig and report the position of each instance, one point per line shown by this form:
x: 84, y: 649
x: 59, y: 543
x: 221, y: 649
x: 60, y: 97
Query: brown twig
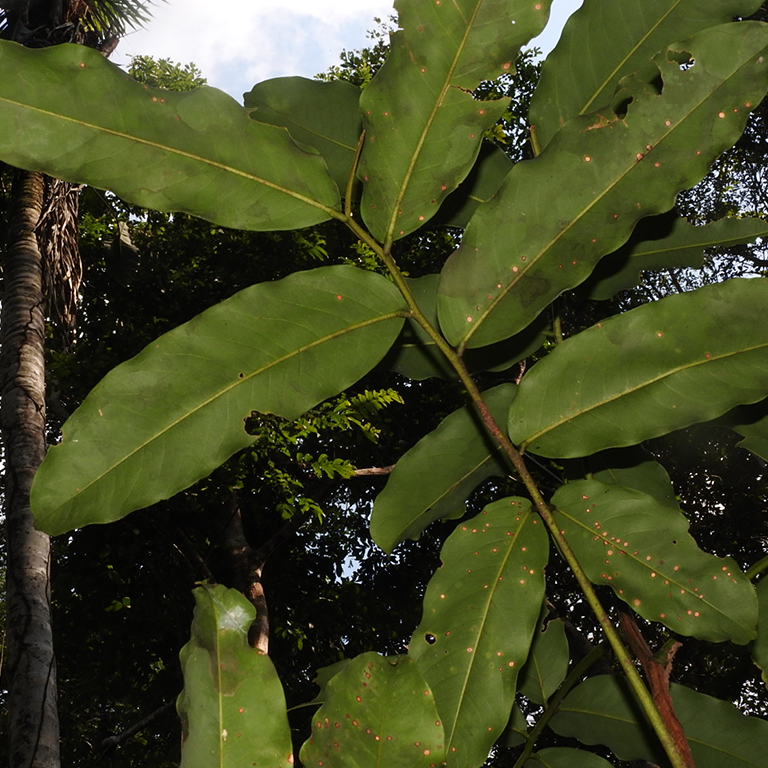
x: 657, y: 677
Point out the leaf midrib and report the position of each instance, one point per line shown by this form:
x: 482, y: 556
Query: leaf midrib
x: 173, y: 151
x: 534, y: 259
x: 647, y: 383
x: 221, y: 393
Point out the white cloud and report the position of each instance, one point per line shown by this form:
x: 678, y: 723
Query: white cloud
x: 237, y: 43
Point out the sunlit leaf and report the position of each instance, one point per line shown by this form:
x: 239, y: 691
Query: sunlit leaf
x: 527, y: 245
x: 423, y: 126
x: 378, y: 712
x: 323, y: 115
x: 601, y: 710
x: 481, y: 610
x: 433, y: 479
x: 603, y: 41
x: 168, y: 417
x: 232, y: 707
x: 84, y: 120
x: 642, y: 549
x: 685, y: 359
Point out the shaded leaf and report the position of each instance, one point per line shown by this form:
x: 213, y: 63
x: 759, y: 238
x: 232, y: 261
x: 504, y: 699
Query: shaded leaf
x: 752, y: 422
x: 526, y: 246
x: 481, y: 610
x: 417, y: 356
x: 634, y: 468
x: 642, y: 549
x: 144, y: 433
x: 232, y: 707
x: 433, y: 479
x: 547, y: 663
x: 684, y: 359
x: 480, y: 185
x: 423, y: 126
x: 672, y: 242
x: 565, y: 757
x: 516, y: 731
x: 601, y: 711
x: 323, y: 115
x: 760, y: 646
x: 602, y: 42
x: 378, y: 712
x: 196, y: 151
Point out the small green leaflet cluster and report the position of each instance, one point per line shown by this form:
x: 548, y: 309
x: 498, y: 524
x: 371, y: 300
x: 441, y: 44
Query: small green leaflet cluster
x: 631, y: 109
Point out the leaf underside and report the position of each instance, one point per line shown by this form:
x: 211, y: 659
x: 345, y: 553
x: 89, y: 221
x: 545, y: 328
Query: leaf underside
x: 144, y: 433
x: 232, y: 708
x: 684, y: 359
x: 526, y: 246
x: 642, y: 549
x: 481, y: 610
x: 423, y: 126
x: 86, y: 121
x: 603, y: 41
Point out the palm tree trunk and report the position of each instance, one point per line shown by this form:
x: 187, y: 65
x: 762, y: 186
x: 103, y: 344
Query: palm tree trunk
x: 31, y: 665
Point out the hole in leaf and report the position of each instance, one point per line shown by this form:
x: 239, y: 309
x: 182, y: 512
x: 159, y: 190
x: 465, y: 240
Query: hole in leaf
x: 431, y: 639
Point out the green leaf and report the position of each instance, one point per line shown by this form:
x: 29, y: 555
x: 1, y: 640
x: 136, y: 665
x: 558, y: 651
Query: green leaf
x: 166, y: 418
x: 516, y: 732
x: 325, y: 116
x: 433, y: 479
x: 84, y: 120
x: 416, y: 355
x: 480, y: 185
x: 760, y: 646
x: 751, y: 421
x: 662, y: 242
x: 602, y: 42
x: 642, y: 549
x: 634, y: 468
x: 423, y: 126
x: 378, y: 712
x: 602, y: 711
x: 547, y: 663
x: 685, y: 359
x: 481, y: 610
x: 527, y: 245
x: 565, y: 757
x: 232, y: 707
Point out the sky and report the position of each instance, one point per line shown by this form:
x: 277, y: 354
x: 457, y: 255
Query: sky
x: 237, y: 43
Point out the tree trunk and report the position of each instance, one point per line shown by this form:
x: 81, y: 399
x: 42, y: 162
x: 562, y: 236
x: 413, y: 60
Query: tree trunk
x: 31, y: 665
